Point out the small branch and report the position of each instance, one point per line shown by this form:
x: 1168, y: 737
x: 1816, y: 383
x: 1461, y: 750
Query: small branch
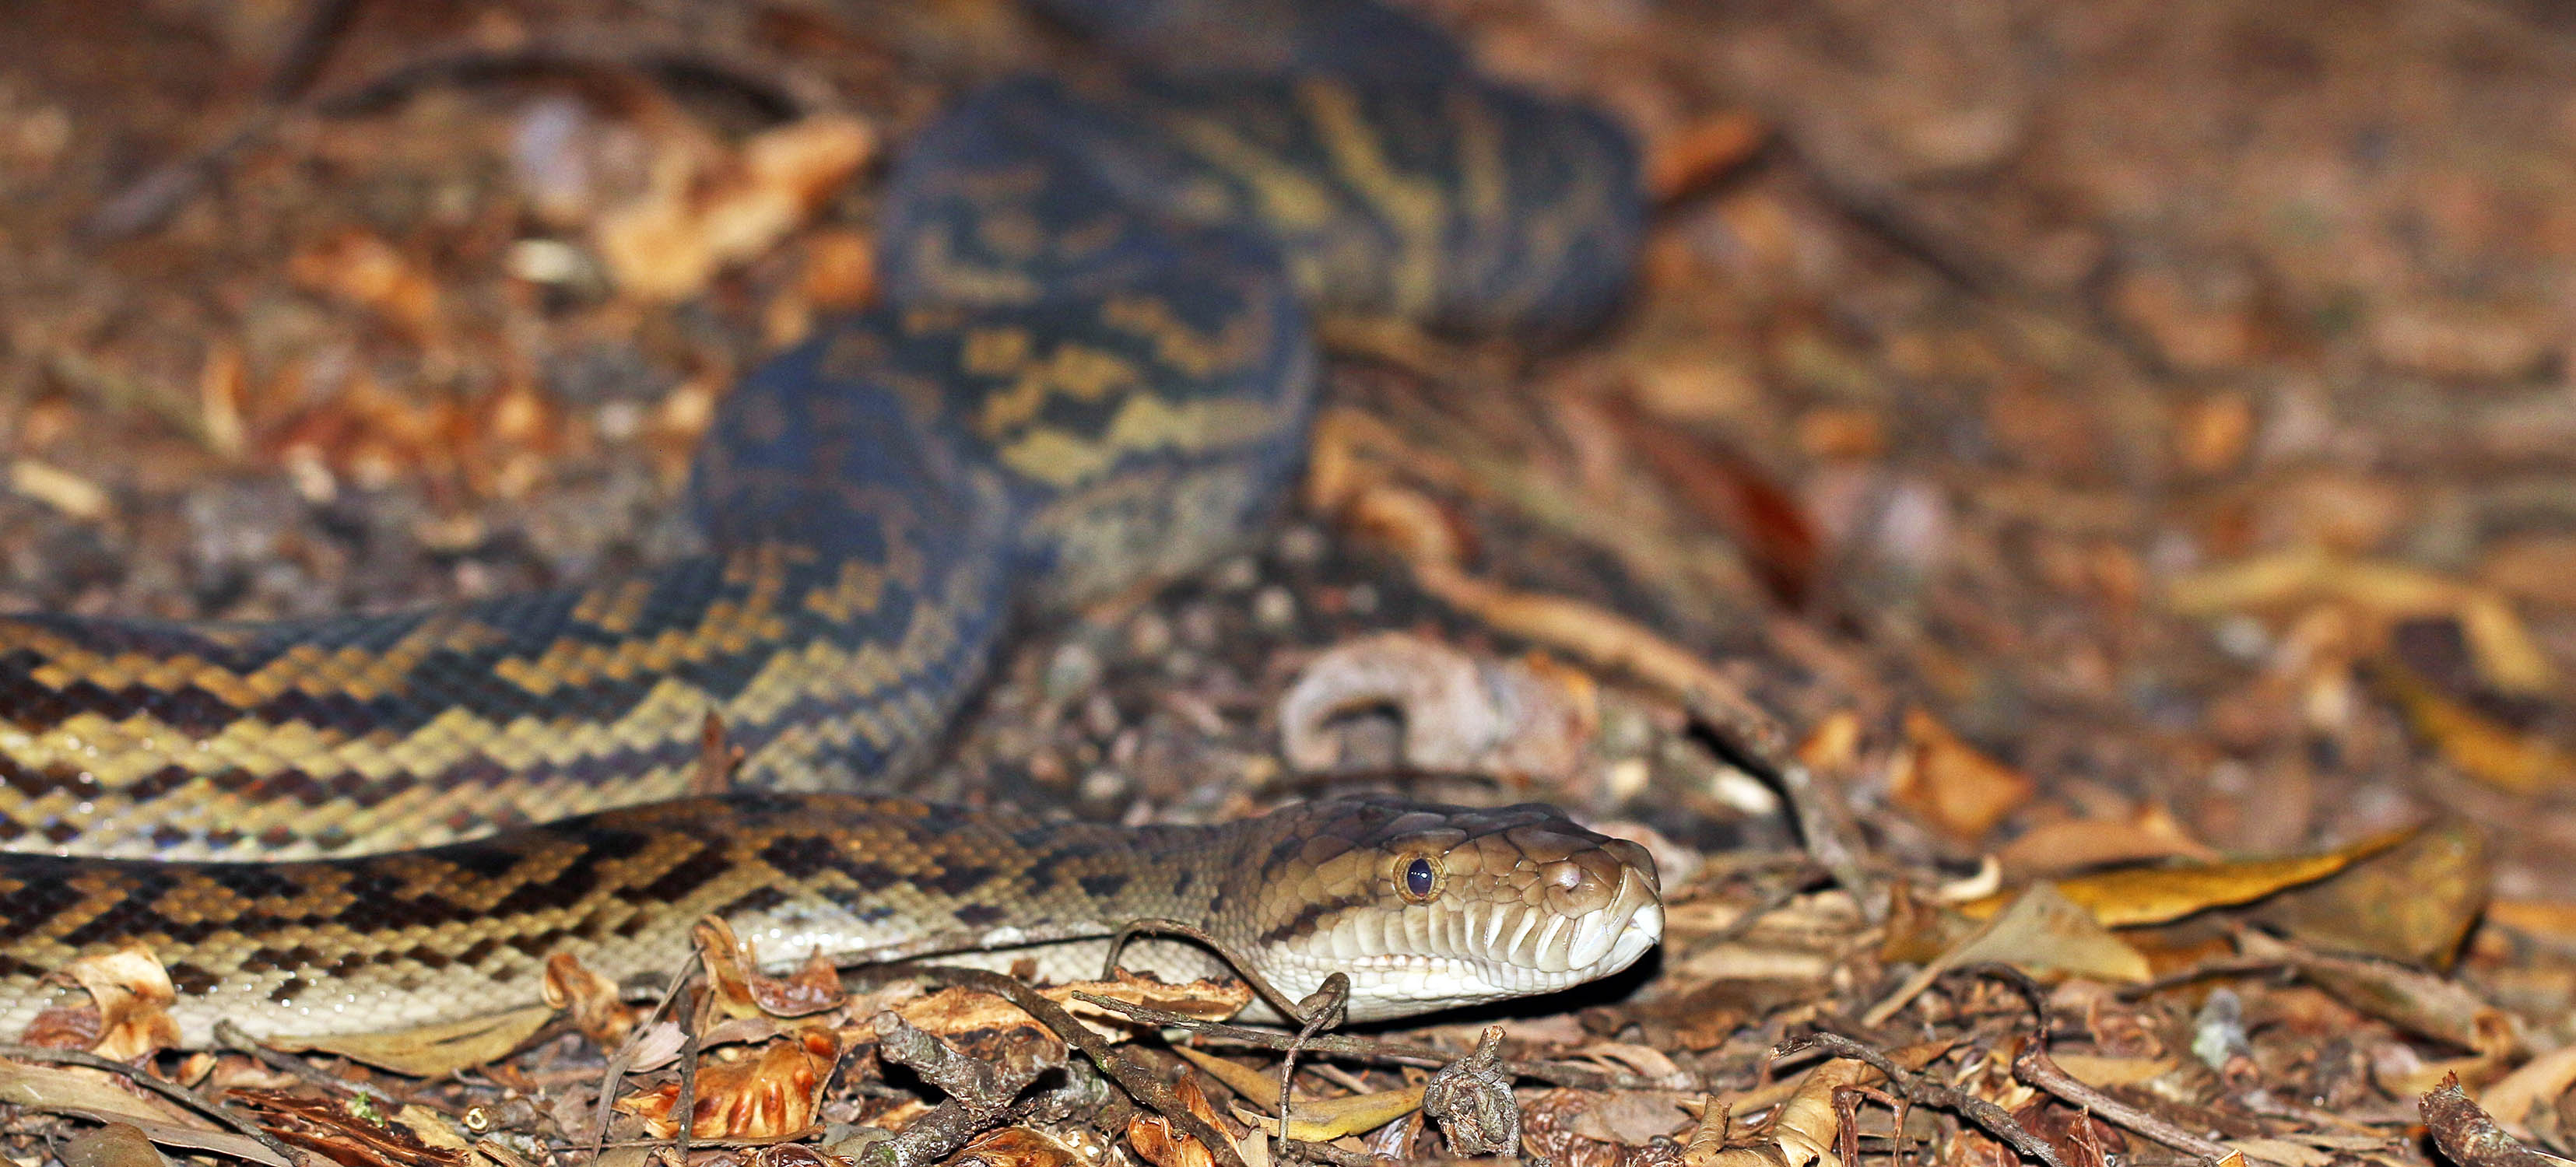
x: 2469, y: 1137
x: 2040, y: 1072
x: 1390, y: 1053
x: 1922, y: 1091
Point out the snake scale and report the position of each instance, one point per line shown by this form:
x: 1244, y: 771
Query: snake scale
x: 1093, y: 366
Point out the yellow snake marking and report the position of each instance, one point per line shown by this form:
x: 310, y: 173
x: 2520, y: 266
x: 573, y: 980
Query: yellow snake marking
x: 1236, y: 344
x: 1077, y: 371
x: 1410, y: 206
x: 614, y: 607
x: 1143, y: 422
x: 935, y: 256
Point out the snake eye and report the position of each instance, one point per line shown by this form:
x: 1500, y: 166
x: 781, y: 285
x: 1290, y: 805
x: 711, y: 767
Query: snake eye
x: 1419, y: 879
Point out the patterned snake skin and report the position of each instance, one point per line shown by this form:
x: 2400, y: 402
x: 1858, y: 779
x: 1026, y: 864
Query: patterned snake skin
x: 1094, y: 368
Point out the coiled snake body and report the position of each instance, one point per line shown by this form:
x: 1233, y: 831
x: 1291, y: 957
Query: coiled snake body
x: 1095, y: 367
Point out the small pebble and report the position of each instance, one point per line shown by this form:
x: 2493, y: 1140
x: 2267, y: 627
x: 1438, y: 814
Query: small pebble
x: 1103, y: 785
x: 1149, y: 634
x: 1075, y: 668
x: 1238, y: 574
x: 1301, y: 544
x: 1273, y: 609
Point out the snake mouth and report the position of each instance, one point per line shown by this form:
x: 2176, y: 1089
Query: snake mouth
x: 1576, y: 946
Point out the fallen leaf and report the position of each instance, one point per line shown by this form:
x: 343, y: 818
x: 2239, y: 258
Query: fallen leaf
x: 132, y: 994
x: 114, y: 1145
x: 1951, y: 785
x: 87, y: 1095
x: 2411, y: 999
x: 2135, y: 896
x: 597, y: 1010
x: 766, y: 1093
x: 1017, y: 1146
x: 710, y: 209
x: 742, y: 990
x: 1327, y: 1119
x: 2062, y: 848
x: 2413, y: 902
x: 1800, y: 1132
x: 2483, y: 749
x: 2538, y: 1082
x: 431, y: 1051
x: 2043, y: 931
x: 2502, y: 647
x: 1160, y: 1143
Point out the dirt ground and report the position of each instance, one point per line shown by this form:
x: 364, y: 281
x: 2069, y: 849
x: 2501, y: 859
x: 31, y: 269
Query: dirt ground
x: 2087, y: 486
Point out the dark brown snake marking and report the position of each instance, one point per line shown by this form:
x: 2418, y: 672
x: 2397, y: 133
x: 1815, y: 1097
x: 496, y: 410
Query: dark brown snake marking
x: 1094, y: 368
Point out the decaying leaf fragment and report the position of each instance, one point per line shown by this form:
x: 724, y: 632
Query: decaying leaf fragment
x: 1799, y: 1133
x: 2042, y: 932
x: 709, y: 207
x: 129, y: 1011
x: 355, y: 1136
x: 2483, y: 749
x: 1160, y: 1143
x: 1951, y: 785
x: 742, y: 990
x: 88, y: 1095
x: 593, y: 1001
x: 763, y: 1093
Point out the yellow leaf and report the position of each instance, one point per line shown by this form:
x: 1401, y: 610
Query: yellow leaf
x: 2135, y: 896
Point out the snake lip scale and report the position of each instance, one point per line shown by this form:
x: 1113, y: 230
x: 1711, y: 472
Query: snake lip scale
x: 1094, y: 368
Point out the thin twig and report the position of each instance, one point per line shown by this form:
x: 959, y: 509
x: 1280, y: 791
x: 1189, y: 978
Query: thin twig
x: 2040, y: 1072
x: 615, y: 1070
x: 1995, y: 1120
x: 1391, y: 1053
x: 170, y: 1090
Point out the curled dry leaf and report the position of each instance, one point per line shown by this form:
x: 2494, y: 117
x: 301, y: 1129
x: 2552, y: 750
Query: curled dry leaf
x: 733, y: 967
x: 1461, y: 712
x: 1017, y: 1146
x: 128, y: 1015
x: 2149, y: 832
x: 1951, y: 785
x: 361, y: 269
x: 1799, y: 1133
x: 590, y: 998
x: 2483, y: 748
x: 707, y: 210
x: 763, y: 1094
x: 1160, y: 1143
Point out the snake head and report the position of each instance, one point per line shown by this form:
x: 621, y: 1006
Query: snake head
x: 1429, y: 907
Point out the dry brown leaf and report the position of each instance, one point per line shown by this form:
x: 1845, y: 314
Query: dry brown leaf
x: 1697, y: 153
x: 1951, y: 785
x: 2482, y: 748
x: 767, y: 1093
x: 1158, y: 1142
x: 1017, y: 1146
x: 132, y: 995
x: 2413, y: 902
x: 336, y: 1130
x: 430, y: 1050
x: 1461, y: 712
x: 597, y: 1010
x: 1800, y: 1132
x: 2506, y: 655
x: 707, y: 210
x: 2055, y: 849
x: 364, y: 270
x: 117, y: 1144
x: 86, y: 1094
x: 2042, y: 932
x: 742, y: 990
x: 2538, y: 1082
x: 1259, y: 1087
x: 950, y: 1012
x: 2137, y: 896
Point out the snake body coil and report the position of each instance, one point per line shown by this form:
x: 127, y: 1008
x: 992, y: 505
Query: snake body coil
x: 1095, y: 367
